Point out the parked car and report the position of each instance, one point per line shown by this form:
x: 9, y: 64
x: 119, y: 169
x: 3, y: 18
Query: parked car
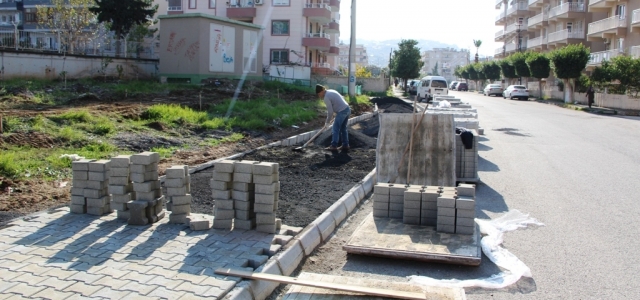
x: 412, y: 86
x: 430, y: 86
x: 462, y: 86
x: 492, y: 89
x: 453, y: 84
x: 516, y: 91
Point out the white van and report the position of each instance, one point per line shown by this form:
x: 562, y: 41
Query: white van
x: 432, y: 85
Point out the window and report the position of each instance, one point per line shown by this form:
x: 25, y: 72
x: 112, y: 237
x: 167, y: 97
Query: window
x: 281, y: 3
x: 30, y: 17
x: 438, y: 84
x: 620, y: 11
x: 192, y: 4
x: 569, y: 26
x: 175, y: 5
x: 212, y: 3
x: 280, y: 56
x: 280, y: 27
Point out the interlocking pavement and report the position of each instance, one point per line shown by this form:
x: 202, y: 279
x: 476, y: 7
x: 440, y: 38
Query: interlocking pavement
x: 60, y: 255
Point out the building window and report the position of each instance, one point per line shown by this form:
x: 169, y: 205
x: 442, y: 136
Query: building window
x: 212, y: 3
x: 175, y: 5
x: 280, y: 56
x: 30, y: 17
x: 192, y: 4
x: 281, y: 3
x: 280, y: 27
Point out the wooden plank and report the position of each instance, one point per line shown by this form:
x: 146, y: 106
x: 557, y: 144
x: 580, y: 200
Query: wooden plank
x: 325, y: 285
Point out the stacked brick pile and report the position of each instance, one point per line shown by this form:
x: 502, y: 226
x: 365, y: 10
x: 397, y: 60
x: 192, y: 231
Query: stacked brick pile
x: 89, y: 193
x: 221, y: 184
x: 80, y: 170
x: 381, y: 200
x: 465, y: 209
x: 178, y: 184
x: 467, y: 159
x: 396, y: 200
x: 149, y: 202
x: 243, y: 194
x: 120, y: 186
x: 267, y: 189
x: 446, y: 221
x: 429, y: 206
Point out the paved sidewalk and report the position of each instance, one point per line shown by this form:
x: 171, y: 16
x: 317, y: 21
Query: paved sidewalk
x: 59, y: 255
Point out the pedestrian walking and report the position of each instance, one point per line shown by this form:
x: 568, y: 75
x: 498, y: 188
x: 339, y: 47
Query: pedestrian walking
x: 395, y: 82
x: 336, y: 104
x: 590, y: 95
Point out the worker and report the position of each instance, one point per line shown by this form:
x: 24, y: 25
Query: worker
x: 336, y: 104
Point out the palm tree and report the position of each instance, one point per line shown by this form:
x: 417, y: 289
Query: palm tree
x: 477, y: 43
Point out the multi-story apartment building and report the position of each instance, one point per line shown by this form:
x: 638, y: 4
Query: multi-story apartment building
x: 362, y: 58
x: 296, y: 32
x: 446, y: 60
x: 616, y: 28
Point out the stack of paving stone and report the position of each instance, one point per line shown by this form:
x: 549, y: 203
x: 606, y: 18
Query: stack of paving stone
x: 429, y: 206
x: 396, y: 201
x: 446, y: 219
x: 267, y: 189
x: 221, y: 184
x: 381, y: 200
x: 178, y: 183
x: 120, y: 186
x: 467, y: 159
x: 465, y: 209
x: 412, y: 205
x: 96, y: 190
x: 243, y: 195
x: 148, y: 206
x: 80, y: 170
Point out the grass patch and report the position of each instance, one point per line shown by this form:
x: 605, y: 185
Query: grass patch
x: 264, y: 113
x: 281, y: 86
x: 165, y: 152
x: 72, y: 117
x: 175, y: 115
x: 215, y: 123
x: 229, y: 139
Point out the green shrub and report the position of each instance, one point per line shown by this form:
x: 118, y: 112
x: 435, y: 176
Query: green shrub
x: 103, y: 127
x: 72, y: 117
x: 214, y: 123
x: 174, y: 114
x: 8, y: 165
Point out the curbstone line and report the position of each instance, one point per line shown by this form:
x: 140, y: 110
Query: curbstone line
x: 338, y: 211
x: 350, y: 201
x: 310, y: 239
x: 326, y: 225
x: 369, y: 182
x: 240, y: 292
x: 289, y: 259
x: 261, y: 289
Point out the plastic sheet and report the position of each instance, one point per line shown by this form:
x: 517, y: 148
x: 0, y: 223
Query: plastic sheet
x: 444, y: 104
x: 491, y: 243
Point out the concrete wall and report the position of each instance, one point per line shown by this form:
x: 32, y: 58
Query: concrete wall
x: 49, y: 66
x: 375, y: 85
x: 186, y: 51
x: 601, y: 99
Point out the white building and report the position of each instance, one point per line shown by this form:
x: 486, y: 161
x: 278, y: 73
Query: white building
x: 361, y: 56
x: 446, y: 60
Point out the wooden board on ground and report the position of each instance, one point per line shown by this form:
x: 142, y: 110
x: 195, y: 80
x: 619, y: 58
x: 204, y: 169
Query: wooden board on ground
x: 391, y: 238
x: 298, y: 292
x: 433, y: 151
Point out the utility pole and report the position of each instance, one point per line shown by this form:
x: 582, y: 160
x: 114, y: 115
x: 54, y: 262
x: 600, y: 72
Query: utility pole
x: 352, y: 52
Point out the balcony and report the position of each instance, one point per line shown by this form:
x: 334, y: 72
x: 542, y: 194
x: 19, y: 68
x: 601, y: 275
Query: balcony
x: 538, y: 3
x: 174, y: 10
x: 605, y: 28
x: 321, y: 69
x: 315, y: 12
x: 569, y: 10
x: 513, y: 47
x: 499, y: 51
x: 598, y: 57
x: 539, y: 43
x: 521, y: 7
x: 601, y: 5
x: 499, y: 3
x: 335, y: 5
x: 634, y: 51
x: 500, y: 36
x: 513, y: 29
x: 332, y: 27
x: 317, y: 41
x: 241, y: 10
x: 539, y: 20
x: 333, y: 51
x: 564, y: 37
x: 635, y: 20
x: 501, y: 18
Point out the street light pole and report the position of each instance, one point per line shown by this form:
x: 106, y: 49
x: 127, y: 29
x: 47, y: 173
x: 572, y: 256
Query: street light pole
x: 352, y: 52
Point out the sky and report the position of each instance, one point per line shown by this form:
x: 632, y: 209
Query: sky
x: 456, y: 22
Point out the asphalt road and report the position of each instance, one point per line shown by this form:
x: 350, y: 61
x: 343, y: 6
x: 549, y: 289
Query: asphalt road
x: 576, y: 172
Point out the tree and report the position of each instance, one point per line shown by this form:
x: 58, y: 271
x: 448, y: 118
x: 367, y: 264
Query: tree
x: 464, y: 73
x: 362, y: 72
x: 406, y: 61
x: 518, y: 61
x: 71, y: 19
x: 491, y: 70
x: 478, y: 67
x: 477, y: 43
x: 539, y: 67
x: 627, y: 71
x: 138, y: 33
x: 473, y: 74
x: 602, y: 76
x: 457, y: 72
x: 122, y: 15
x: 508, y: 71
x: 568, y: 63
x: 434, y: 71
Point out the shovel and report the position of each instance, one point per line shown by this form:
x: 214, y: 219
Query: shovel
x: 301, y: 149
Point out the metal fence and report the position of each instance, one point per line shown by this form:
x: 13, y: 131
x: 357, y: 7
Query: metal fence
x: 40, y: 41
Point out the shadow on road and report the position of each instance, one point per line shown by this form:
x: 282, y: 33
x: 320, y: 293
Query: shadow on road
x: 490, y: 200
x: 486, y: 166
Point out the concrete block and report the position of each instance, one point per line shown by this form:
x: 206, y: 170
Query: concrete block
x: 465, y: 222
x: 395, y: 214
x: 80, y: 175
x: 338, y: 212
x: 141, y: 169
x: 176, y: 172
x: 119, y: 180
x: 465, y: 203
x: 267, y: 188
x: 244, y: 224
x: 412, y: 194
x: 244, y: 214
x: 266, y: 228
x: 242, y: 205
x: 349, y: 201
x: 223, y: 214
x: 224, y: 204
x: 380, y: 213
x: 380, y: 198
x: 123, y: 214
x: 148, y: 196
x: 446, y: 201
x: 223, y: 195
x: 219, y: 185
x: 244, y: 196
x: 118, y: 206
x: 142, y: 177
x: 119, y: 172
x: 326, y: 225
x: 96, y: 185
x: 222, y: 224
x: 445, y: 228
x: 369, y: 181
x: 224, y: 166
x: 428, y: 213
x: 396, y: 206
x: 446, y: 220
x: 124, y: 198
x: 243, y: 187
x: 181, y: 200
x: 465, y: 230
x: 91, y: 193
x: 446, y: 211
x: 273, y: 249
x: 417, y: 205
x: 181, y: 209
x: 381, y: 205
x: 357, y: 192
x: 119, y: 189
x: 310, y: 239
x: 266, y: 179
x: 220, y: 176
x: 175, y: 182
x: 465, y: 213
x: 78, y: 200
x: 278, y: 223
x: 98, y: 211
x: 75, y: 191
x: 430, y: 195
x: 178, y: 218
x: 396, y: 190
x: 265, y: 168
x: 396, y: 199
x: 78, y: 209
x: 199, y: 225
x: 411, y: 213
x: 145, y: 187
x: 98, y: 202
x: 263, y: 208
x: 268, y: 218
x: 411, y: 220
x: 145, y: 158
x: 428, y: 221
x: 81, y: 165
x: 261, y: 289
x: 266, y: 198
x: 100, y: 166
x: 243, y: 177
x: 177, y: 191
x: 430, y: 205
x: 120, y: 161
x: 244, y: 166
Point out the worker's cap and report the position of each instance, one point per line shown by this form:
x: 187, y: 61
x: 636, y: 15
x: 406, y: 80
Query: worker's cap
x: 319, y: 88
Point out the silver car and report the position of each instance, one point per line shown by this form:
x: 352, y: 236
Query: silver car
x: 516, y: 91
x: 493, y: 89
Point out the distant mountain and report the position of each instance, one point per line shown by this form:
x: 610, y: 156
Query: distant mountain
x: 381, y: 49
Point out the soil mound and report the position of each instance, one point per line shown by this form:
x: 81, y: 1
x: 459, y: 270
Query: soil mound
x: 357, y: 140
x: 33, y: 139
x: 392, y: 105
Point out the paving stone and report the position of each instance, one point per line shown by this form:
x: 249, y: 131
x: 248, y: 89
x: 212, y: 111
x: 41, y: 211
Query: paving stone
x: 243, y: 196
x: 412, y: 194
x: 120, y: 161
x: 199, y: 225
x: 244, y: 214
x: 396, y: 199
x: 98, y: 202
x: 180, y: 200
x: 244, y: 166
x: 411, y: 213
x: 266, y: 228
x: 465, y: 213
x: 81, y: 165
x: 219, y: 176
x: 52, y: 294
x: 137, y: 213
x: 465, y: 203
x: 263, y: 219
x: 119, y: 172
x: 177, y: 191
x: 164, y: 293
x: 411, y: 220
x: 137, y: 287
x: 220, y: 185
x: 98, y: 176
x: 263, y: 208
x: 445, y: 228
x: 110, y: 293
x: 444, y: 220
x: 266, y: 179
x: 468, y: 222
x: 80, y: 175
x: 99, y: 165
x: 78, y: 200
x: 150, y: 196
x: 243, y: 187
x: 446, y: 201
x: 396, y: 206
x: 178, y: 218
x: 82, y: 288
x: 244, y: 224
x: 28, y: 278
x: 446, y: 211
x: 266, y: 198
x: 395, y: 214
x: 147, y: 186
x: 224, y: 166
x: 24, y: 289
x: 59, y: 273
x: 181, y: 209
x: 467, y: 190
x: 243, y: 177
x: 121, y: 181
x: 180, y: 171
x: 222, y: 224
x: 91, y: 193
x: 380, y: 213
x: 32, y: 268
x: 242, y: 205
x: 145, y: 158
x: 142, y: 177
x: 175, y: 182
x: 224, y: 195
x: 465, y: 230
x: 265, y: 168
x: 99, y: 211
x: 267, y: 188
x: 396, y: 190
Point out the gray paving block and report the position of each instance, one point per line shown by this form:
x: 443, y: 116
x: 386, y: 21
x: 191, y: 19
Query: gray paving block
x: 123, y: 214
x: 180, y: 200
x: 446, y: 211
x: 175, y: 182
x: 223, y: 214
x: 176, y: 172
x: 220, y: 176
x: 430, y: 205
x: 412, y: 194
x: 265, y: 168
x: 411, y: 220
x: 80, y: 175
x: 149, y: 196
x: 266, y: 179
x: 465, y: 203
x: 181, y: 209
x: 243, y: 186
x: 224, y: 166
x: 412, y: 205
x: 268, y: 218
x: 380, y: 213
x: 465, y: 222
x: 145, y: 187
x: 224, y: 204
x: 411, y: 213
x: 266, y: 228
x: 96, y: 185
x: 78, y: 200
x: 91, y: 193
x: 381, y: 205
x: 445, y: 228
x: 245, y: 224
x: 446, y: 201
x: 142, y: 169
x: 266, y: 198
x: 199, y: 225
x: 244, y: 196
x: 177, y: 191
x: 118, y: 206
x: 98, y: 176
x: 101, y: 166
x: 396, y: 206
x: 242, y: 205
x: 267, y: 188
x: 465, y: 213
x: 465, y: 230
x: 75, y: 191
x: 145, y: 158
x: 396, y: 199
x: 78, y: 209
x: 219, y: 185
x: 263, y: 208
x: 381, y: 198
x: 429, y: 213
x: 120, y: 189
x: 119, y: 172
x: 397, y: 190
x: 120, y: 161
x: 178, y: 218
x: 99, y: 211
x: 222, y: 224
x: 244, y: 166
x: 98, y: 202
x: 224, y: 195
x: 446, y: 220
x: 142, y: 177
x: 119, y: 180
x: 244, y: 214
x: 428, y: 221
x: 243, y: 177
x: 81, y: 165
x: 395, y: 214
x: 381, y: 189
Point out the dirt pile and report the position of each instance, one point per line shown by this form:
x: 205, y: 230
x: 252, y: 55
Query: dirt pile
x: 392, y: 105
x: 33, y: 139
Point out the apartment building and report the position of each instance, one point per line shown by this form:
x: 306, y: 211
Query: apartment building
x: 446, y: 60
x: 616, y: 28
x: 361, y: 56
x: 296, y: 32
